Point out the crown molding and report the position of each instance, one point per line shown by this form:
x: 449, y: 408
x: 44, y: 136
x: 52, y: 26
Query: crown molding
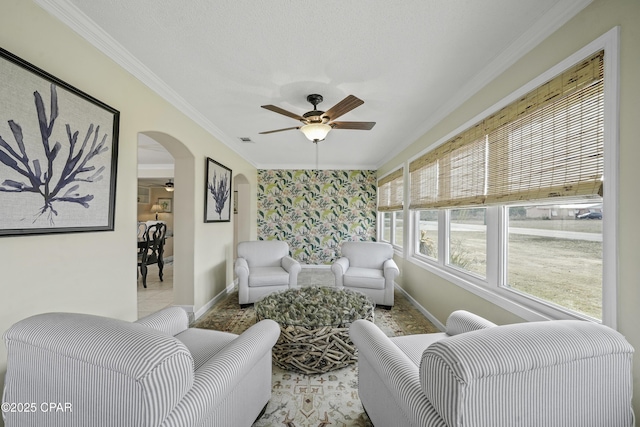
x: 72, y: 17
x: 309, y: 166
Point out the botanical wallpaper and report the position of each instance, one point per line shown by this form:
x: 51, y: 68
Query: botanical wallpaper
x: 315, y: 211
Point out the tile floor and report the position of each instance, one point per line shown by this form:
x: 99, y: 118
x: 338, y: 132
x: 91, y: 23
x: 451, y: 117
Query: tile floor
x: 157, y: 295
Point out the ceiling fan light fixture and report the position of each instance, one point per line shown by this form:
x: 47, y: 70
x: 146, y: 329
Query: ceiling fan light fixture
x: 315, y: 131
x: 169, y: 186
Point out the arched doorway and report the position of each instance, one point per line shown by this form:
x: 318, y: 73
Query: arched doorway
x: 241, y: 217
x: 183, y: 211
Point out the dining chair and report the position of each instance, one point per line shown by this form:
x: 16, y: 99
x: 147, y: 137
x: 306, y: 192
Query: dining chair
x: 151, y: 250
x: 142, y: 229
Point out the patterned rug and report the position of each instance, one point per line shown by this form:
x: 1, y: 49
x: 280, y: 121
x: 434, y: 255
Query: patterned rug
x: 299, y: 400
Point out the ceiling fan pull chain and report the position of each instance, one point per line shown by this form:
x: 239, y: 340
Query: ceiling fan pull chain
x: 316, y: 142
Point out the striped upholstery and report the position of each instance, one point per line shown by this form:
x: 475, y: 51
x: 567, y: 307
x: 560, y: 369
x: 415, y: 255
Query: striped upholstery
x: 558, y: 373
x: 462, y: 321
x: 171, y: 320
x: 388, y: 381
x: 117, y: 373
x: 564, y: 373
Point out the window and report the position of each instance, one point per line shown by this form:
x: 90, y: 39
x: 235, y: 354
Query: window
x: 468, y: 240
x: 565, y: 242
x: 392, y: 228
x: 511, y: 208
x: 427, y: 239
x: 398, y: 225
x: 390, y: 203
x: 386, y: 226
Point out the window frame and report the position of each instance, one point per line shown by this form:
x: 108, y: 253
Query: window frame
x: 491, y: 288
x: 392, y: 232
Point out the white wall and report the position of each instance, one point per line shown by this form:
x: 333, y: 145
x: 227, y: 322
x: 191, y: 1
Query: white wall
x: 441, y: 297
x: 96, y: 272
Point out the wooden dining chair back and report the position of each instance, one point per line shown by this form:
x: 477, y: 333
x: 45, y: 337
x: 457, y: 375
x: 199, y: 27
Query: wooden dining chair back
x: 142, y: 229
x: 151, y: 250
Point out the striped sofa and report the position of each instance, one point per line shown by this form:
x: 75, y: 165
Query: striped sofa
x: 564, y: 373
x: 81, y: 370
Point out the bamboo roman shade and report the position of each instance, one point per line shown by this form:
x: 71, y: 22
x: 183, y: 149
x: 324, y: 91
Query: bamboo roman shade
x: 548, y: 143
x: 390, y: 191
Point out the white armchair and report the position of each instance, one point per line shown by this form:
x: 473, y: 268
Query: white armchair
x: 262, y: 267
x: 367, y: 267
x: 153, y: 372
x: 567, y: 373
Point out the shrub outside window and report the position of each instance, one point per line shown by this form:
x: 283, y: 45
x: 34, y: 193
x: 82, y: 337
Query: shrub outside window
x: 468, y: 240
x: 428, y: 233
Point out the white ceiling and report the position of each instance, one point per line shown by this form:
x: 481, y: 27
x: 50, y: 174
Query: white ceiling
x: 411, y: 62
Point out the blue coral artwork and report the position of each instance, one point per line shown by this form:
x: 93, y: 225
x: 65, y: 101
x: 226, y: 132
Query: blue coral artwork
x: 58, y: 154
x: 217, y: 207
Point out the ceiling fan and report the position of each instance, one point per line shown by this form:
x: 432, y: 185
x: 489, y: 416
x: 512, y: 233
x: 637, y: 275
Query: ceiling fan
x: 317, y: 124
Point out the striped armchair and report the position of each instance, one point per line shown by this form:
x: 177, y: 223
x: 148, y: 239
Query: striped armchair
x: 562, y: 373
x: 98, y: 371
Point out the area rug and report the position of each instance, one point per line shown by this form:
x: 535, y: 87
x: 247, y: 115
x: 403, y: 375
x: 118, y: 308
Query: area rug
x: 329, y: 399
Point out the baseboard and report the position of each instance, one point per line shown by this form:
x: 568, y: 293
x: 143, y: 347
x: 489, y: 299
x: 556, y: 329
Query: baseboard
x: 214, y: 300
x: 422, y: 310
x: 316, y: 266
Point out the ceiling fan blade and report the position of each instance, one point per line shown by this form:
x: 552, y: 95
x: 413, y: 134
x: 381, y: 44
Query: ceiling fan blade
x: 353, y: 125
x: 343, y: 107
x: 278, y: 130
x: 283, y: 112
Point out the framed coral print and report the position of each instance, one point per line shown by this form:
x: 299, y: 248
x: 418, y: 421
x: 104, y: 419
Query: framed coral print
x: 58, y: 154
x: 217, y: 206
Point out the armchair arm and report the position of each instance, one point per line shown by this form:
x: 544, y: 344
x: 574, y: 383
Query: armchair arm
x: 290, y: 264
x: 399, y: 374
x: 462, y: 321
x: 339, y: 267
x: 241, y: 268
x: 217, y: 378
x: 94, y: 359
x: 562, y: 372
x: 293, y: 267
x: 391, y: 270
x: 171, y: 320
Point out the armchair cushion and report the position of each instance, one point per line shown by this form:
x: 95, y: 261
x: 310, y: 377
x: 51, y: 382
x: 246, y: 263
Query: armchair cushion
x: 203, y: 345
x: 268, y: 276
x: 358, y: 277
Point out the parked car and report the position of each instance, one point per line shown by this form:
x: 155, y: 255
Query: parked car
x: 590, y: 215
